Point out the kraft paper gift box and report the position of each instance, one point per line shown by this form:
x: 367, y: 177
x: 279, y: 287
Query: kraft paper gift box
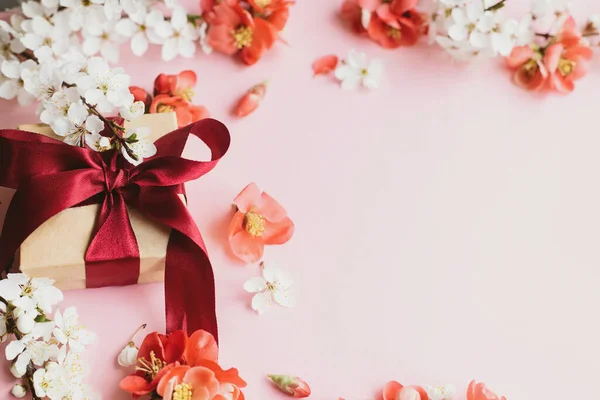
x: 57, y: 248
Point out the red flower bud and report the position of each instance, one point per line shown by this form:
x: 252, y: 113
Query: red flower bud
x: 251, y: 100
x: 291, y: 385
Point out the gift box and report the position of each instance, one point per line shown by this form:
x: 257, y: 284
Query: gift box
x: 57, y: 248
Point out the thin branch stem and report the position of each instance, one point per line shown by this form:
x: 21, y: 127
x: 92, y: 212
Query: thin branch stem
x: 28, y: 378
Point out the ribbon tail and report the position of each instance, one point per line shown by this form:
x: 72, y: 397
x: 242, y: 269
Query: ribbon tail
x: 189, y: 287
x: 189, y: 279
x: 113, y: 256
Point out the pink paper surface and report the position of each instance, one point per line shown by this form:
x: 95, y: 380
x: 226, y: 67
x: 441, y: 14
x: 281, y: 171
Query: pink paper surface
x: 447, y: 225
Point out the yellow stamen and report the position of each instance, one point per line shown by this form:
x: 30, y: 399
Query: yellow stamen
x: 394, y: 33
x: 152, y: 367
x: 164, y: 108
x: 254, y: 223
x: 566, y: 67
x: 183, y: 391
x: 262, y: 3
x: 185, y: 94
x: 243, y: 37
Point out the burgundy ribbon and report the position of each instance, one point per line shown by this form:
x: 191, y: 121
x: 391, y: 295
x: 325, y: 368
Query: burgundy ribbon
x: 50, y: 176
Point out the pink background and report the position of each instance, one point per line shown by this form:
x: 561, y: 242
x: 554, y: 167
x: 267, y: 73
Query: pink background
x: 447, y: 224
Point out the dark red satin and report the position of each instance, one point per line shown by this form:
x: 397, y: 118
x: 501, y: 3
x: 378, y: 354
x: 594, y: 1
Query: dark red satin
x: 50, y: 176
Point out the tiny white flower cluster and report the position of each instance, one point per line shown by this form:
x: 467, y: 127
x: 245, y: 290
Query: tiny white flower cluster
x: 474, y: 28
x: 47, y: 351
x: 50, y: 28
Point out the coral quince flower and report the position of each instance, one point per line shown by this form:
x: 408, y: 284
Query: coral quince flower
x: 354, y: 15
x: 276, y: 12
x: 159, y: 354
x: 181, y: 85
x: 394, y: 24
x: 186, y: 112
x: 260, y: 220
x: 395, y: 391
x: 140, y: 94
x: 233, y: 30
x: 530, y: 72
x: 567, y: 59
x: 478, y: 391
x: 207, y: 380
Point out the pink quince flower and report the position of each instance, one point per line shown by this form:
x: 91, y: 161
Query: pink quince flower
x: 479, y: 391
x: 530, y: 72
x: 395, y: 391
x: 567, y: 59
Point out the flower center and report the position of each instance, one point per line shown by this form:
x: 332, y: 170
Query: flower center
x: 183, y: 391
x: 185, y: 94
x: 254, y: 223
x: 164, y: 108
x: 530, y: 68
x: 152, y: 367
x: 86, y: 3
x: 566, y: 67
x: 243, y: 37
x: 262, y: 3
x: 394, y: 33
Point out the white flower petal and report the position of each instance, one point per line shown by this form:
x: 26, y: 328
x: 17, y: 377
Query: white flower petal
x: 13, y: 349
x: 170, y: 49
x: 255, y: 285
x: 91, y: 45
x: 284, y: 297
x: 261, y: 302
x: 94, y: 124
x: 126, y: 27
x: 458, y: 32
x: 139, y: 44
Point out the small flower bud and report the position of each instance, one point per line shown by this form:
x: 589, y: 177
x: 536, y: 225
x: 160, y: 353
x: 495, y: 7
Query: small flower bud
x: 19, y: 391
x: 17, y: 373
x: 291, y: 385
x: 128, y: 356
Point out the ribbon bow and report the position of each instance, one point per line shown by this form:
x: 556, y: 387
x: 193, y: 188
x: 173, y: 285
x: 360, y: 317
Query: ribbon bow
x: 50, y: 176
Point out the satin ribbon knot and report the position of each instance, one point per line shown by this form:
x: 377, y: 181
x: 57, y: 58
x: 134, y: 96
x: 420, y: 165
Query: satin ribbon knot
x: 115, y: 179
x: 65, y: 176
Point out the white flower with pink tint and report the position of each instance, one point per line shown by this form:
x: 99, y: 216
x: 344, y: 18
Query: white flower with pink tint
x: 274, y: 286
x: 357, y: 70
x: 441, y: 392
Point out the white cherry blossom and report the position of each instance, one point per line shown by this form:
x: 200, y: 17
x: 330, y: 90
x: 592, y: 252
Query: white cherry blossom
x: 30, y: 349
x: 43, y: 82
x: 84, y: 13
x: 78, y: 126
x: 140, y: 27
x: 139, y: 145
x: 69, y: 331
x: 274, y: 286
x: 13, y: 87
x: 356, y: 69
x: 133, y: 111
x: 105, y: 41
x: 179, y: 36
x: 104, y: 86
x: 443, y: 392
x: 202, y: 31
x: 55, y: 110
x: 46, y: 38
x: 50, y: 381
x: 465, y: 24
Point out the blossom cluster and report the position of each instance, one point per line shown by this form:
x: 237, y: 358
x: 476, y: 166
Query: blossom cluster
x: 175, y: 366
x: 545, y: 45
x: 49, y: 28
x: 74, y: 91
x: 476, y: 391
x: 45, y: 352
